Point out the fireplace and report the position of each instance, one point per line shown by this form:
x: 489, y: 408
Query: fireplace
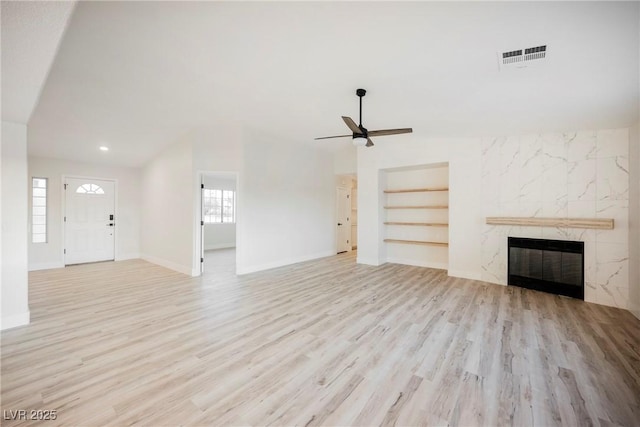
x: 555, y: 266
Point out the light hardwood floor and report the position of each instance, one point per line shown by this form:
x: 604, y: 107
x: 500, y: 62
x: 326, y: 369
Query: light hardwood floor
x: 325, y: 342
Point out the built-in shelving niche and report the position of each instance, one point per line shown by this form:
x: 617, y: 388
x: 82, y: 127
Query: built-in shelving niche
x: 416, y: 215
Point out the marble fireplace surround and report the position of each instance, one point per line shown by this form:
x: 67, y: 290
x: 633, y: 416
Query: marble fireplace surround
x: 561, y: 175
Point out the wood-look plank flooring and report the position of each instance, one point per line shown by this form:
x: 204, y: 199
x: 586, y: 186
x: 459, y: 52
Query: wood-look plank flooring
x: 326, y: 342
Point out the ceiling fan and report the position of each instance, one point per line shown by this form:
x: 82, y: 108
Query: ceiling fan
x: 361, y: 136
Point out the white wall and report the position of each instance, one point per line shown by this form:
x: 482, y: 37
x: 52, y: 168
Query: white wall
x: 345, y: 159
x: 465, y: 219
x: 217, y: 149
x: 14, y: 187
x: 432, y: 176
x: 218, y: 236
x: 287, y: 210
x: 634, y: 220
x: 167, y: 210
x: 285, y: 195
x: 50, y: 254
x: 354, y: 215
x: 513, y: 181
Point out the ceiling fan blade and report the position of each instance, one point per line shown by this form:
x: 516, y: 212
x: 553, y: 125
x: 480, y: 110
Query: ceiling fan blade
x: 351, y: 124
x: 337, y: 136
x: 369, y: 143
x: 384, y: 132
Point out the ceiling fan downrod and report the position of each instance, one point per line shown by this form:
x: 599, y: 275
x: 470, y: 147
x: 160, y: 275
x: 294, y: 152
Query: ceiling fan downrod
x: 360, y: 134
x: 360, y: 93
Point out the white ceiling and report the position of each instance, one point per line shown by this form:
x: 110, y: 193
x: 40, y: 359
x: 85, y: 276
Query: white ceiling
x: 31, y: 34
x: 137, y: 75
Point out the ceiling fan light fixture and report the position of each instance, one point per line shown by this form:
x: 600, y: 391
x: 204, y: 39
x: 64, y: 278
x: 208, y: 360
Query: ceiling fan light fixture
x: 361, y: 135
x: 359, y: 141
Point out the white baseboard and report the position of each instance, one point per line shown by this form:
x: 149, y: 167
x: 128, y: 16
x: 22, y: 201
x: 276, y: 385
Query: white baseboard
x: 282, y: 263
x: 127, y: 256
x: 635, y: 312
x: 59, y: 264
x: 438, y: 265
x: 368, y: 261
x: 220, y: 246
x: 167, y: 264
x: 465, y: 274
x: 46, y: 266
x: 15, y: 320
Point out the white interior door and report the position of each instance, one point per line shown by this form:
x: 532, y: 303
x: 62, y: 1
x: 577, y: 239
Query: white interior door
x: 201, y: 224
x: 343, y: 226
x: 89, y: 220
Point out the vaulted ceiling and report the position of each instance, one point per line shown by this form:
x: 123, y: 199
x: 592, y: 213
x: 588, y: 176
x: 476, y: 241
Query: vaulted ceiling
x: 137, y: 75
x: 31, y: 35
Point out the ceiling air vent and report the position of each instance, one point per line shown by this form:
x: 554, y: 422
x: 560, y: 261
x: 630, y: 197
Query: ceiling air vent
x: 521, y: 58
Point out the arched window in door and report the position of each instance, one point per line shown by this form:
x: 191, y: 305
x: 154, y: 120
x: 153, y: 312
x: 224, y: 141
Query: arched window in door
x: 90, y: 189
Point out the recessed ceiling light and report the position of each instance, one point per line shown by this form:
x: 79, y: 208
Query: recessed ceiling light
x: 103, y: 148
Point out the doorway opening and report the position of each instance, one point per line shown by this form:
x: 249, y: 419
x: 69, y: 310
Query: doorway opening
x: 218, y: 214
x: 346, y: 213
x: 89, y: 220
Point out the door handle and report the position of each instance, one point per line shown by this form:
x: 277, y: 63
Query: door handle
x: 339, y: 223
x: 110, y: 225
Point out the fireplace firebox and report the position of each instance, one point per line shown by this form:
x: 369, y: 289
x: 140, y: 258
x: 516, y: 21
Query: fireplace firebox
x: 555, y: 266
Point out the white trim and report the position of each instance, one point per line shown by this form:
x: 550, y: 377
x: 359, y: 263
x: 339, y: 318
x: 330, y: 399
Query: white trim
x: 198, y: 245
x: 202, y: 227
x: 127, y: 256
x: 15, y: 320
x: 220, y: 246
x: 368, y: 261
x: 168, y: 264
x: 58, y: 264
x: 282, y: 263
x: 46, y: 266
x: 465, y: 274
x: 635, y: 312
x: 427, y: 264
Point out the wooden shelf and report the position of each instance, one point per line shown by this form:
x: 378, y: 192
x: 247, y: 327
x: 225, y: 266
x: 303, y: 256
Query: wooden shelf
x: 417, y: 190
x: 426, y: 224
x: 416, y: 242
x: 597, y: 223
x: 418, y: 207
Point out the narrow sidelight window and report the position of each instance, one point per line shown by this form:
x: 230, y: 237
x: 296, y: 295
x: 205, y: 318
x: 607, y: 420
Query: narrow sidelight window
x: 39, y: 210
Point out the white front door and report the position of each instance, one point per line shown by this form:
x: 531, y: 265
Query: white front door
x: 343, y: 227
x: 89, y: 220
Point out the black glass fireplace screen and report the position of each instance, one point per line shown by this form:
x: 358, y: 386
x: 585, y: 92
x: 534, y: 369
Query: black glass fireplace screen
x: 555, y: 266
